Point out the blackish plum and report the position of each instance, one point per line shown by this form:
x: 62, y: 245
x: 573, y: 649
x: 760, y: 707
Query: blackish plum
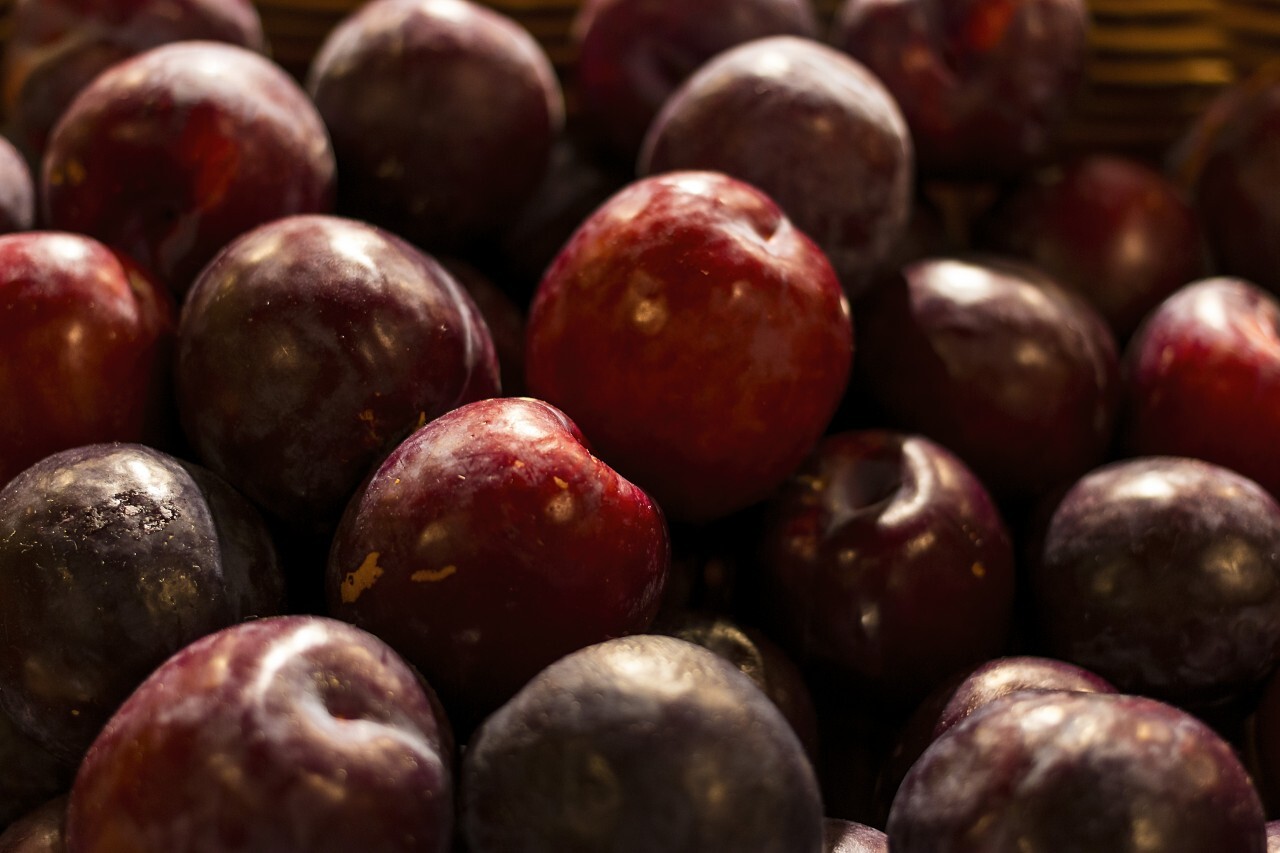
x: 810, y: 127
x: 310, y: 347
x: 38, y: 831
x: 443, y: 114
x: 170, y: 155
x: 112, y: 557
x: 1078, y: 773
x: 1162, y: 575
x: 286, y: 733
x: 885, y: 561
x: 85, y: 343
x: 1015, y: 375
x: 631, y: 55
x: 17, y: 191
x: 700, y: 341
x: 489, y: 544
x: 634, y: 745
x: 1110, y: 228
x: 760, y: 659
x: 985, y: 85
x: 1203, y: 379
x: 842, y: 836
x: 57, y: 47
x: 1228, y: 162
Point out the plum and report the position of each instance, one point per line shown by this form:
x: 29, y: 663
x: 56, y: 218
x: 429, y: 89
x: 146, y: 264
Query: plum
x: 1110, y: 228
x: 57, y: 47
x: 700, y: 341
x: 885, y: 561
x: 17, y: 191
x: 286, y: 733
x: 170, y: 155
x: 112, y: 557
x: 85, y: 342
x: 639, y: 744
x: 842, y: 836
x: 309, y: 348
x: 490, y: 543
x: 1077, y: 772
x: 810, y: 127
x: 1162, y: 575
x: 31, y: 774
x: 1202, y: 379
x: 443, y: 114
x: 994, y: 361
x: 38, y: 831
x: 985, y: 85
x: 631, y: 55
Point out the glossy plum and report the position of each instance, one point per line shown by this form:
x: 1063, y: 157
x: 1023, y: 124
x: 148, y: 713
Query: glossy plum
x: 1078, y: 772
x: 1203, y: 379
x: 992, y: 360
x: 112, y: 557
x: 985, y: 85
x: 310, y: 347
x: 38, y: 831
x: 810, y: 127
x: 288, y: 733
x: 632, y: 54
x: 885, y: 561
x: 1162, y: 575
x: 170, y: 155
x: 489, y: 544
x: 57, y: 47
x: 639, y: 744
x: 443, y: 114
x: 85, y: 343
x: 700, y: 341
x: 1110, y: 228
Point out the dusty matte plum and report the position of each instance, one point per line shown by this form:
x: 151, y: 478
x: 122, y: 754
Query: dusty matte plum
x: 288, y: 733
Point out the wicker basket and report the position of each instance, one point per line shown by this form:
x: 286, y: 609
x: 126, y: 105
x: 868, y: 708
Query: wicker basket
x: 1155, y: 63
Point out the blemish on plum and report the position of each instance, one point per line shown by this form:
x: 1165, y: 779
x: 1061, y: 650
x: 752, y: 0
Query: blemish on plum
x: 433, y: 575
x: 364, y: 577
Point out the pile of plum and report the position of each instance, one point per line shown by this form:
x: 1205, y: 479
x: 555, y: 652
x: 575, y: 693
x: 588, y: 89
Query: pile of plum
x: 765, y: 438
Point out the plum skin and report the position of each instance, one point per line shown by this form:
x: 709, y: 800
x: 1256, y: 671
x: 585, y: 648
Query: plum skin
x: 1077, y: 772
x: 309, y: 348
x: 638, y: 744
x: 286, y: 733
x: 490, y: 543
x: 699, y: 340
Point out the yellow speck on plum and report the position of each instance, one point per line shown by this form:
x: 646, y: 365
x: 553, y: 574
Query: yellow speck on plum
x: 422, y: 420
x: 397, y: 482
x: 561, y: 483
x: 979, y: 570
x: 75, y: 172
x: 517, y: 464
x: 430, y: 576
x: 357, y: 582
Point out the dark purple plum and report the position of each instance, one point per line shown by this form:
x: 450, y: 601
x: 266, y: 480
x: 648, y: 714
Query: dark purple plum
x: 763, y: 661
x: 38, y: 831
x: 699, y: 339
x: 1078, y: 773
x: 1162, y: 575
x: 959, y: 697
x: 1110, y: 228
x: 489, y: 544
x: 85, y: 344
x: 992, y: 360
x: 1228, y: 162
x: 170, y: 155
x: 985, y: 85
x: 113, y: 557
x: 309, y: 348
x: 631, y: 55
x: 57, y: 47
x: 885, y: 561
x: 1203, y: 379
x: 287, y: 733
x: 810, y: 127
x: 442, y: 113
x: 635, y: 745
x: 842, y: 836
x: 17, y: 191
